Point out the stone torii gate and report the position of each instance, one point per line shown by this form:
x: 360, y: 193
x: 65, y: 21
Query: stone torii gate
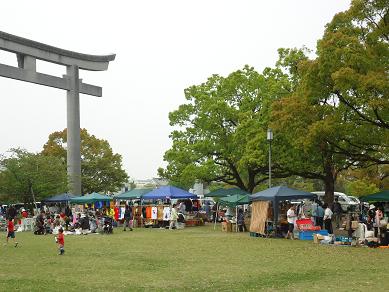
x: 27, y: 52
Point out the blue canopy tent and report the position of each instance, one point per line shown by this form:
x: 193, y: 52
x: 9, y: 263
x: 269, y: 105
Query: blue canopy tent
x: 60, y: 198
x: 278, y: 194
x: 168, y: 192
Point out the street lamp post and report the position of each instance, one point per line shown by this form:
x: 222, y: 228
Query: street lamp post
x: 269, y: 138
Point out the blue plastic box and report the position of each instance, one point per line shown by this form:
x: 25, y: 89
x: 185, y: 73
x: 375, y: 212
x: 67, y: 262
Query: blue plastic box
x: 308, y: 235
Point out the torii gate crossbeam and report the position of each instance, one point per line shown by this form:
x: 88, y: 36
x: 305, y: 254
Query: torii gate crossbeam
x: 27, y: 52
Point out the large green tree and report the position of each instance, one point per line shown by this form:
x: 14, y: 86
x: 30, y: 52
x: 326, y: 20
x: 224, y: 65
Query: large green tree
x: 336, y: 117
x: 101, y: 169
x: 25, y: 176
x: 354, y: 60
x: 221, y: 133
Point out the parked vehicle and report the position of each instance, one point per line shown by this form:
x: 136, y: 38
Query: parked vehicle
x: 344, y: 200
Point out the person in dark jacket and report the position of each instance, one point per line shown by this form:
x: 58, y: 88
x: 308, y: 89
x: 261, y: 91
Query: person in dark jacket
x: 337, y: 209
x: 11, y: 212
x: 127, y: 218
x: 241, y: 225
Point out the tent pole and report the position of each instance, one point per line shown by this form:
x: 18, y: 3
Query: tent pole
x: 217, y: 211
x: 141, y: 213
x: 236, y: 210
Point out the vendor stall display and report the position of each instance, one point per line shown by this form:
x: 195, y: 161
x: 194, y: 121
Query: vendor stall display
x: 276, y: 196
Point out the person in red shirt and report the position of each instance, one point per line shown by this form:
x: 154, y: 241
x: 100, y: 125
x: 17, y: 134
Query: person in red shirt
x: 11, y: 231
x: 61, y: 241
x: 24, y: 213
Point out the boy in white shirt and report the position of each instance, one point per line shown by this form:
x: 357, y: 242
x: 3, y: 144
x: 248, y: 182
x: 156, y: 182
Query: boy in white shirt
x: 327, y: 218
x: 291, y: 217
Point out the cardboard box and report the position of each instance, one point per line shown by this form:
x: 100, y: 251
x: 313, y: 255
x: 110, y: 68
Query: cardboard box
x: 317, y: 238
x: 224, y: 226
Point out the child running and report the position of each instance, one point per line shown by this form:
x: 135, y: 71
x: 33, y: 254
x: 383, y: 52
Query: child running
x: 11, y: 231
x: 61, y: 242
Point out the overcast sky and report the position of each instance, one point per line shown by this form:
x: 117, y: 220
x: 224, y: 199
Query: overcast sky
x: 161, y: 47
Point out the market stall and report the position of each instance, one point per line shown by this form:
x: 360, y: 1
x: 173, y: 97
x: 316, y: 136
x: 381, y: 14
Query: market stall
x: 222, y: 193
x: 379, y: 200
x: 155, y: 213
x: 130, y: 197
x: 274, y: 196
x: 234, y: 201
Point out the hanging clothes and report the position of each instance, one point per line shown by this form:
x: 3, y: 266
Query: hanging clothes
x: 148, y: 212
x: 116, y: 210
x: 160, y: 213
x: 166, y: 213
x: 154, y: 213
x: 122, y: 210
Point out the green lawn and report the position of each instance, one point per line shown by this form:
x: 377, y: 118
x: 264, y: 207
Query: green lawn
x: 196, y: 258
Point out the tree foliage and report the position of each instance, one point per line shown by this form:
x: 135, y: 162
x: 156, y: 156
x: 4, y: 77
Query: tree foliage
x: 329, y: 113
x: 222, y: 130
x: 26, y: 176
x: 101, y: 169
x: 336, y: 117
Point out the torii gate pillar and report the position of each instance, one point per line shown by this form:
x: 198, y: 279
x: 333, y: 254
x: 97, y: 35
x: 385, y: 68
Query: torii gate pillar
x: 73, y: 130
x: 27, y: 52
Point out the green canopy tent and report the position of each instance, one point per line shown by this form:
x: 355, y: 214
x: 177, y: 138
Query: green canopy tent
x: 220, y: 193
x: 132, y: 194
x: 235, y: 201
x: 382, y: 196
x: 90, y: 198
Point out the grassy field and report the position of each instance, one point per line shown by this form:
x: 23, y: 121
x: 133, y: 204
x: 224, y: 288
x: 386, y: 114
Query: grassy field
x: 196, y: 258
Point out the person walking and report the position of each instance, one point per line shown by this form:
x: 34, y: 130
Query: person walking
x: 241, y: 225
x: 337, y: 212
x: 291, y: 217
x: 320, y: 215
x: 173, y: 217
x: 328, y: 218
x: 127, y: 218
x: 11, y: 231
x: 60, y: 240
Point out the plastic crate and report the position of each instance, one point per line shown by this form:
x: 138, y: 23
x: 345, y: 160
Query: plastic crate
x: 308, y: 235
x: 306, y: 225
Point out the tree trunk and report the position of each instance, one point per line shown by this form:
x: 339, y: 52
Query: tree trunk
x: 329, y: 188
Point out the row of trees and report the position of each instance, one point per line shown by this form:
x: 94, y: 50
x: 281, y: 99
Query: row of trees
x: 330, y: 114
x: 26, y: 176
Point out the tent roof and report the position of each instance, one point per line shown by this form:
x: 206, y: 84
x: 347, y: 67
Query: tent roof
x: 235, y: 200
x: 168, y: 192
x: 59, y: 198
x: 219, y: 193
x: 132, y: 194
x: 281, y: 193
x: 90, y: 198
x: 382, y: 196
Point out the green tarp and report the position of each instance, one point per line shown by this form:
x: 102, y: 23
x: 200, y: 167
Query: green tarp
x: 132, y: 194
x: 235, y: 200
x: 90, y: 198
x: 220, y: 193
x: 382, y: 196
